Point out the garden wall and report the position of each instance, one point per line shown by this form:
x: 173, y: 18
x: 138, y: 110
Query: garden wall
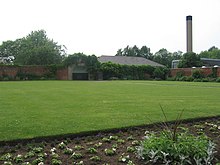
x: 39, y: 71
x: 189, y: 71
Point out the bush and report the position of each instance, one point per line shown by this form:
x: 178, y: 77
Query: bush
x: 218, y: 79
x: 197, y: 80
x: 185, y: 149
x: 205, y: 80
x: 170, y: 79
x: 197, y: 74
x: 184, y: 78
x: 189, y: 78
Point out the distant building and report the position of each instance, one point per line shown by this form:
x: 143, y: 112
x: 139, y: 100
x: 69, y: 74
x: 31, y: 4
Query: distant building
x: 127, y: 60
x: 207, y: 62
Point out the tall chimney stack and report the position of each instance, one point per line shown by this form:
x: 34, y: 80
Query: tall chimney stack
x: 188, y: 33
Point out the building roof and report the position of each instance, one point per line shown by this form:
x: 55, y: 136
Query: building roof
x: 127, y: 60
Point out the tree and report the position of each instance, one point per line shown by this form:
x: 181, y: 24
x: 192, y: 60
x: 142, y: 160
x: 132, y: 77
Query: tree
x: 145, y: 52
x: 189, y: 60
x: 34, y: 49
x: 135, y: 52
x: 163, y: 57
x: 212, y: 52
x: 91, y: 61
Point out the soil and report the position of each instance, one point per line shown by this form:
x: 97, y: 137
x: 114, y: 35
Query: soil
x: 93, y: 145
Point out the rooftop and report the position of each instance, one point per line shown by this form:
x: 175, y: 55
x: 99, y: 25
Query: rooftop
x: 125, y: 60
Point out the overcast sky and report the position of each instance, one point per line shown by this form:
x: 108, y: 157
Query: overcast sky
x: 101, y: 27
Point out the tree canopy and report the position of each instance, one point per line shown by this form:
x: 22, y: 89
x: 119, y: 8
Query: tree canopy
x: 163, y: 56
x: 212, y: 52
x: 90, y: 61
x: 189, y: 60
x: 34, y: 49
x: 135, y: 51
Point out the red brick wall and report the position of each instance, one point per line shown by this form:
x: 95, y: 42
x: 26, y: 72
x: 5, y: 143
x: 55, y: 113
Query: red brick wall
x: 185, y: 71
x: 218, y: 72
x: 62, y: 74
x: 189, y: 71
x: 11, y: 71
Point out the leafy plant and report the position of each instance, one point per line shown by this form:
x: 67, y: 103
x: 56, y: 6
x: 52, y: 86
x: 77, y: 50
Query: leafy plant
x: 98, y: 145
x: 95, y: 158
x: 120, y: 141
x: 6, y: 157
x: 106, y: 139
x: 76, y: 155
x: 124, y: 158
x: 68, y: 151
x: 92, y: 150
x: 37, y: 149
x: 18, y: 159
x: 30, y: 154
x: 56, y: 162
x: 110, y: 152
x: 176, y: 147
x: 78, y: 147
x: 62, y: 145
x: 131, y: 149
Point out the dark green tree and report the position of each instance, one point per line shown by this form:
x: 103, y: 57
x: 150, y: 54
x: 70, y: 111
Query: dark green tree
x: 135, y: 52
x: 37, y: 49
x: 163, y: 57
x: 189, y: 60
x: 34, y: 49
x: 212, y: 52
x: 91, y: 61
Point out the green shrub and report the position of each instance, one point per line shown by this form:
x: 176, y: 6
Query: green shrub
x: 197, y: 74
x: 185, y: 149
x: 184, y: 78
x: 189, y: 78
x: 180, y: 74
x: 218, y: 79
x: 205, y: 80
x: 170, y: 79
x: 197, y: 80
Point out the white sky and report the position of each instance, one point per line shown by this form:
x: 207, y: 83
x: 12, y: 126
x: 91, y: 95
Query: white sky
x: 101, y: 27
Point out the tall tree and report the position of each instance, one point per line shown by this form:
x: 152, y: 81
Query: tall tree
x: 34, y: 49
x: 190, y: 59
x: 212, y: 52
x: 135, y: 52
x: 145, y: 52
x: 163, y: 57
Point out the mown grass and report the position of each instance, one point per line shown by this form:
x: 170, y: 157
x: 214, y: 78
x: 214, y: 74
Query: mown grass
x: 42, y: 108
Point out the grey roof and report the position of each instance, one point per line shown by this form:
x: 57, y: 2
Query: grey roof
x: 125, y: 60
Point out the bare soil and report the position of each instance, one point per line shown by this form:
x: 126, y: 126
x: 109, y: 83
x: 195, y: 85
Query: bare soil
x: 90, y: 147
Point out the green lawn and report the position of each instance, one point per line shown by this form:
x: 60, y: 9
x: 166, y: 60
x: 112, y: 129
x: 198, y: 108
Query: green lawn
x: 41, y: 108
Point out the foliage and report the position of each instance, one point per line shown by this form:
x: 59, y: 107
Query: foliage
x: 34, y: 49
x: 213, y: 52
x: 218, y: 79
x: 80, y: 59
x: 161, y: 73
x: 185, y: 149
x: 132, y: 72
x: 165, y: 57
x: 136, y: 52
x: 190, y: 60
x: 162, y: 56
x: 197, y: 74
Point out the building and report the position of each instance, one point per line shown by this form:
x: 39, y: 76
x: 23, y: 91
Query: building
x: 127, y: 60
x: 207, y: 62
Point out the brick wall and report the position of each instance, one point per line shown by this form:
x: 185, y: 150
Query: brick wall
x: 189, y: 71
x: 12, y: 71
x: 62, y: 74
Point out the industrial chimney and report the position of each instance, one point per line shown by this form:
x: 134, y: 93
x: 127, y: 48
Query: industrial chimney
x: 188, y: 33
